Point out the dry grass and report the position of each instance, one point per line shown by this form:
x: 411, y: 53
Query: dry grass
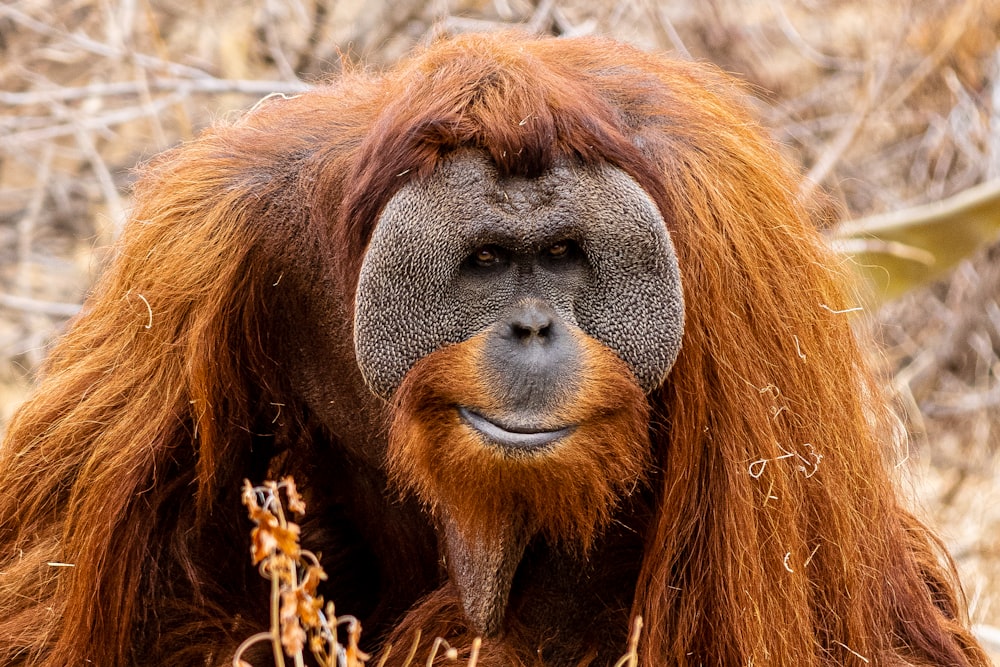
x: 883, y: 104
x: 299, y: 617
x: 300, y: 620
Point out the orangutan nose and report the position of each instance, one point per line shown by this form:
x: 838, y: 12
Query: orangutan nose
x: 531, y: 324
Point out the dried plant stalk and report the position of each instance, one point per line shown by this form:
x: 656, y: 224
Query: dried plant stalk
x: 299, y: 617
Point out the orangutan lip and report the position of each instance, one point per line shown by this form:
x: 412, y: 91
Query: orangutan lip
x: 514, y: 437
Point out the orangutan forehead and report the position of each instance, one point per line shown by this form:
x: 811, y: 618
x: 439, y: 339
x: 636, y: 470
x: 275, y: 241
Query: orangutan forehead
x: 414, y: 297
x: 466, y: 201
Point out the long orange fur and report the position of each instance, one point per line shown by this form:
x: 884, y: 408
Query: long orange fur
x: 778, y: 536
x: 568, y: 493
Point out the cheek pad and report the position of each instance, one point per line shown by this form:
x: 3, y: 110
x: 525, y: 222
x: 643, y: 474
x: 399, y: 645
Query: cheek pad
x: 635, y: 305
x: 406, y: 305
x: 411, y: 301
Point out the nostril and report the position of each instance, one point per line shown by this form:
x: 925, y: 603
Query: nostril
x: 532, y: 360
x: 524, y: 331
x: 530, y: 322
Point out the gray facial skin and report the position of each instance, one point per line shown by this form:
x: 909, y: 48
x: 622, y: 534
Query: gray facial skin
x: 461, y: 250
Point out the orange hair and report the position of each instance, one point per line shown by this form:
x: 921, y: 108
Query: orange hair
x: 775, y: 533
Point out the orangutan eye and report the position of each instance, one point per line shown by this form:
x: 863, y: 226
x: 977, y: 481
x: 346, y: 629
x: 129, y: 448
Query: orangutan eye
x: 486, y: 256
x: 557, y: 250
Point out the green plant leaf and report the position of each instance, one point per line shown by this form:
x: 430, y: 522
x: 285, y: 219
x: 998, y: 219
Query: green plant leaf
x: 898, y: 251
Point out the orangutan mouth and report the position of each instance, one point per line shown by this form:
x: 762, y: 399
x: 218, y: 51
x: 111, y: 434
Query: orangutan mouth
x: 513, y: 437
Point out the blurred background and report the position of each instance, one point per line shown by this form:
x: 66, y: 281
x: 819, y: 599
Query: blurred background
x: 886, y: 106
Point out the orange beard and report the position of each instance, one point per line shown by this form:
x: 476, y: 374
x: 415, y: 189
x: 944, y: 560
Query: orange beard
x: 490, y: 501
